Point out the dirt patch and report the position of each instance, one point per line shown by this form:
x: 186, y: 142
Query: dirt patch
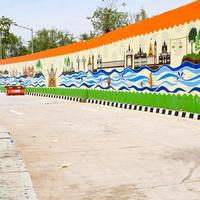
x: 122, y: 192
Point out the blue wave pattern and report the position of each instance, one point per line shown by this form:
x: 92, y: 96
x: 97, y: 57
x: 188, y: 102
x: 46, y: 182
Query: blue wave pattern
x: 36, y: 81
x: 185, y: 78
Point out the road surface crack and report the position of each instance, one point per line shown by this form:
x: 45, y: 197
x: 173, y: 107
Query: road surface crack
x: 191, y: 171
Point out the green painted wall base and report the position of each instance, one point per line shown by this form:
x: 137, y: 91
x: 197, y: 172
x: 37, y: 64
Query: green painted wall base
x: 186, y: 102
x: 3, y: 89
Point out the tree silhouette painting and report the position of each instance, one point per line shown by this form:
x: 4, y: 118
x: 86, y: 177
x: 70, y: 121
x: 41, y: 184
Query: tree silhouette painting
x: 192, y: 37
x: 197, y: 43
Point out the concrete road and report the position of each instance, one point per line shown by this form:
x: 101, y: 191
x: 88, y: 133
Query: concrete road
x: 15, y: 182
x: 77, y: 151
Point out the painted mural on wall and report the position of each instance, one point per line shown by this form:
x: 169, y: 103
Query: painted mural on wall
x: 52, y: 77
x: 29, y: 77
x: 145, y: 66
x: 185, y: 78
x: 151, y: 58
x: 68, y: 67
x: 194, y: 40
x: 151, y: 72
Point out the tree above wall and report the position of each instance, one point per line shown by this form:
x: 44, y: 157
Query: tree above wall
x: 104, y: 19
x: 5, y: 24
x: 51, y: 38
x: 140, y: 16
x: 108, y: 18
x: 87, y: 36
x: 11, y: 45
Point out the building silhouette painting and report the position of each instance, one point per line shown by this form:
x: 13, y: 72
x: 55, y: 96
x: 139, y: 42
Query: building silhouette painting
x: 152, y: 56
x: 52, y: 77
x: 141, y: 58
x: 164, y: 57
x: 29, y: 71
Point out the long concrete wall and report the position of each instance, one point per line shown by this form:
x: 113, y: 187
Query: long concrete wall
x: 160, y: 61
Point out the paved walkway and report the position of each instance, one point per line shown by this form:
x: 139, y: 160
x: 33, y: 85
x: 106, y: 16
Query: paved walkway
x: 79, y: 151
x: 15, y: 182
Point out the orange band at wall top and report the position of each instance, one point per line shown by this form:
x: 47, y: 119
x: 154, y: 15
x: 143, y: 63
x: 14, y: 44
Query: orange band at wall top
x: 184, y: 14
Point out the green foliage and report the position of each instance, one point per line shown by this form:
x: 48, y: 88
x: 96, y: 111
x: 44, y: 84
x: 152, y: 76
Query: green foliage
x: 51, y: 38
x: 38, y: 67
x: 197, y: 42
x: 3, y: 89
x: 109, y: 18
x: 104, y: 20
x: 192, y: 34
x: 87, y: 36
x: 5, y: 24
x: 141, y: 15
x: 38, y: 64
x: 44, y: 39
x: 68, y: 62
x: 192, y: 56
x: 192, y: 37
x: 11, y: 45
x: 68, y: 65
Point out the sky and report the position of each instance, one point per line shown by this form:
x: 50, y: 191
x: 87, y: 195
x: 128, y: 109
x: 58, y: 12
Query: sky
x: 70, y: 15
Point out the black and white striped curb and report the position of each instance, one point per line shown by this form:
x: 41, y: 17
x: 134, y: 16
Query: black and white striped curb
x: 125, y: 106
x: 55, y: 96
x: 146, y: 109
